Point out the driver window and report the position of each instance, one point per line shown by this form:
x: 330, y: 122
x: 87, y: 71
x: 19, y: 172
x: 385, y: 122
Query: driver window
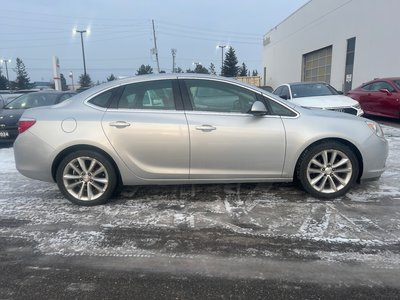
x: 207, y: 95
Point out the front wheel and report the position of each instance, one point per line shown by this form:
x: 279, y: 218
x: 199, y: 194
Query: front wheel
x: 328, y: 170
x: 86, y: 178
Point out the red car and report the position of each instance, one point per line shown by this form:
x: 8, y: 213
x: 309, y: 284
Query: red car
x: 380, y: 97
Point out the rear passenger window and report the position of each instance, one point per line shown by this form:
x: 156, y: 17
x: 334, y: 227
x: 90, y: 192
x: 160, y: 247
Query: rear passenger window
x: 148, y: 95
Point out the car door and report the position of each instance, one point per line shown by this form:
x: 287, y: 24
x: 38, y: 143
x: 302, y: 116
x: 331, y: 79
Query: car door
x: 380, y: 98
x: 226, y: 141
x: 148, y: 132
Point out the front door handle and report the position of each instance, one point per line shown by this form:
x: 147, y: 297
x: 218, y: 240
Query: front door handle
x: 120, y: 124
x: 206, y: 128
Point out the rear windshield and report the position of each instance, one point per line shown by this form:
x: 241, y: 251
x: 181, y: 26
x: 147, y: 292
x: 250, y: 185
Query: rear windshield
x: 32, y: 100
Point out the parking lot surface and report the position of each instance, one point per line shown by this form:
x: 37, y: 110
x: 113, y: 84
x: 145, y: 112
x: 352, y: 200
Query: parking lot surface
x: 201, y: 241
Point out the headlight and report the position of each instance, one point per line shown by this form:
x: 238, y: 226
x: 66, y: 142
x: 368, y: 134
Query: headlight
x: 375, y: 128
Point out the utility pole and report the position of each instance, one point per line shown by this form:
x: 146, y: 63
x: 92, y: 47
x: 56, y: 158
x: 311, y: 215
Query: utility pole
x: 6, y: 61
x: 222, y: 58
x: 155, y: 47
x: 173, y: 51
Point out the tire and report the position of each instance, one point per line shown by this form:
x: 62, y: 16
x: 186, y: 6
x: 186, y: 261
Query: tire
x: 328, y: 170
x: 86, y: 178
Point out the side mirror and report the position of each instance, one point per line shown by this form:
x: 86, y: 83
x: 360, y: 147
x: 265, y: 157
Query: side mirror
x: 386, y: 91
x: 340, y: 92
x: 284, y: 97
x: 258, y: 109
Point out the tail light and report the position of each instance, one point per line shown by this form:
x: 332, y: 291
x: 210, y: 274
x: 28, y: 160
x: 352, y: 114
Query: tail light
x: 24, y: 125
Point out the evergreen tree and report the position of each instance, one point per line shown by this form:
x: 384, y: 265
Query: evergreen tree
x: 85, y: 81
x: 212, y: 69
x: 179, y: 70
x: 22, y: 81
x: 64, y: 86
x: 255, y: 73
x: 111, y: 77
x: 3, y: 81
x: 144, y: 70
x: 243, y: 70
x: 200, y: 69
x: 230, y: 68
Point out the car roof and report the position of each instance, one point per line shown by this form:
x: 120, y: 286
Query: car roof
x: 140, y: 78
x: 385, y: 78
x: 307, y: 82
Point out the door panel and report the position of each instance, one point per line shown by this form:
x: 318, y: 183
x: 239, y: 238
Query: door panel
x: 225, y: 146
x: 147, y: 131
x: 153, y: 144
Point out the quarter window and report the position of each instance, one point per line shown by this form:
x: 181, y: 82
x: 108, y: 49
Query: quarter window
x: 207, y: 95
x: 103, y: 99
x: 148, y: 95
x: 278, y: 109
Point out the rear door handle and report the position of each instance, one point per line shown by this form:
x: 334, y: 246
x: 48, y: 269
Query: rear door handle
x: 120, y: 124
x: 206, y: 128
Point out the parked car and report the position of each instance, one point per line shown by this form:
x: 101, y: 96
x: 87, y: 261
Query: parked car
x: 380, y: 97
x: 318, y: 95
x: 190, y: 129
x: 11, y: 112
x: 7, y: 98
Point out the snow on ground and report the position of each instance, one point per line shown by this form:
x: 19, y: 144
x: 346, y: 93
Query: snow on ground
x: 153, y: 221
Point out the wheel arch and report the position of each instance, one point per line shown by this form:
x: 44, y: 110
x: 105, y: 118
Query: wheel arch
x: 69, y: 150
x: 337, y: 140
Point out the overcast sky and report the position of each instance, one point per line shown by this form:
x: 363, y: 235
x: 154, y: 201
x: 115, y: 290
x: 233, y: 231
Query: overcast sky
x: 121, y: 33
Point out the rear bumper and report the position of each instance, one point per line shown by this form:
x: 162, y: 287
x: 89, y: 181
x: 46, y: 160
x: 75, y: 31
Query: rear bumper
x: 33, y: 157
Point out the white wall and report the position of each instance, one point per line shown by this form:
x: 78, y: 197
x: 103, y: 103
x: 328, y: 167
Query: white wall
x: 321, y: 23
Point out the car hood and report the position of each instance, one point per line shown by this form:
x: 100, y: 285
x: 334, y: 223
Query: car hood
x: 10, y: 116
x: 325, y: 101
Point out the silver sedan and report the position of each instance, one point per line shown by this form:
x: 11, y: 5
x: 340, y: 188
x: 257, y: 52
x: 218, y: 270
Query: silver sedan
x: 192, y: 129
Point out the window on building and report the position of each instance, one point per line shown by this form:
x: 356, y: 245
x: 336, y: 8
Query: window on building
x: 317, y: 65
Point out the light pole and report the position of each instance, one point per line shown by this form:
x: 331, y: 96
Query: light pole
x: 5, y: 61
x: 222, y: 58
x: 83, y: 49
x: 71, y: 75
x: 173, y: 52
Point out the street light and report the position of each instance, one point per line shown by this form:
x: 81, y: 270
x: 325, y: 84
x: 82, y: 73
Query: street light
x: 173, y: 52
x: 71, y: 75
x: 222, y: 57
x: 83, y: 48
x: 5, y: 61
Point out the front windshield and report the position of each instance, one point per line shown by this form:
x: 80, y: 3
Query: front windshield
x: 397, y: 83
x: 32, y: 100
x: 312, y: 90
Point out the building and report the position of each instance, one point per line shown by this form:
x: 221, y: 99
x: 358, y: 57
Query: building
x: 342, y: 42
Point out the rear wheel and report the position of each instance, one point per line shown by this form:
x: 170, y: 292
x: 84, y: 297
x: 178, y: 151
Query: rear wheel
x: 328, y: 170
x: 86, y: 178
